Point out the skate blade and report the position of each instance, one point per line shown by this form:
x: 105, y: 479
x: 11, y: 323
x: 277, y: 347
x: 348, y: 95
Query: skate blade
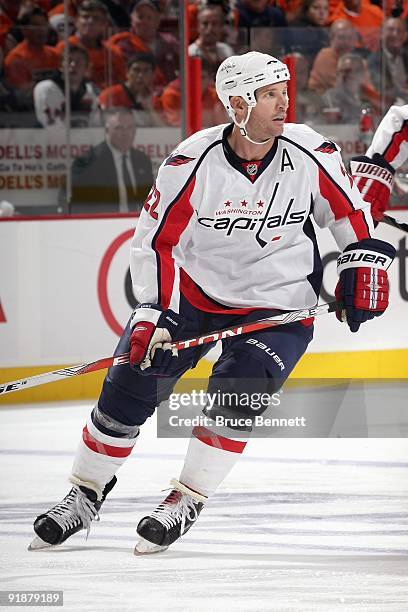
x: 144, y: 547
x: 39, y: 544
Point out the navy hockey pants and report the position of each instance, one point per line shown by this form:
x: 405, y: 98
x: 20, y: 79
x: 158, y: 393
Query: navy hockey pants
x: 267, y: 357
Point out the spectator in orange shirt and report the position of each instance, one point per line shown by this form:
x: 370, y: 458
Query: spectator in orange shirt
x: 106, y: 64
x: 343, y: 39
x: 212, y: 111
x: 367, y: 19
x: 137, y: 92
x: 31, y: 60
x: 145, y: 37
x: 11, y: 11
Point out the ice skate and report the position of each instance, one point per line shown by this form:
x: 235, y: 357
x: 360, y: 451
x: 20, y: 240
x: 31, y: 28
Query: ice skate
x: 75, y: 512
x: 170, y: 520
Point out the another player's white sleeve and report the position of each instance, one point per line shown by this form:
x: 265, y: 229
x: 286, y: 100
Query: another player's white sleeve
x: 391, y: 137
x: 162, y: 234
x: 338, y: 204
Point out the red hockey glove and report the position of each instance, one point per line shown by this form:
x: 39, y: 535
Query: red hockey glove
x: 374, y: 178
x: 153, y: 330
x: 363, y: 281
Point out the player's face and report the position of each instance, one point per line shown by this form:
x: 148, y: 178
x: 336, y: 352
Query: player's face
x: 268, y: 116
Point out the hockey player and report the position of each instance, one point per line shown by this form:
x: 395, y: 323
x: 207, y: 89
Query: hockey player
x: 374, y: 171
x: 225, y: 237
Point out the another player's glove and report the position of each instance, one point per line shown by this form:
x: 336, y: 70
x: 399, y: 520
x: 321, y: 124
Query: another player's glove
x: 150, y: 343
x: 374, y: 178
x: 362, y: 288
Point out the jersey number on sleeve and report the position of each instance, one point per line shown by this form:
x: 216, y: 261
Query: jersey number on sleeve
x: 152, y: 202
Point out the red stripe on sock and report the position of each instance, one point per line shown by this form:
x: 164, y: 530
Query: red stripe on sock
x: 104, y: 449
x: 212, y: 439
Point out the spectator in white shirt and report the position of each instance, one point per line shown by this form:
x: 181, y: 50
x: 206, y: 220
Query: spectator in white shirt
x: 50, y: 94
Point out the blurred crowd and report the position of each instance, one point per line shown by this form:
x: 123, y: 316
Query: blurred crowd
x: 349, y: 55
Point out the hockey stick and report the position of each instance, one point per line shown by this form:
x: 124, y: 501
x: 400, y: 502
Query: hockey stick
x: 394, y: 223
x: 100, y: 364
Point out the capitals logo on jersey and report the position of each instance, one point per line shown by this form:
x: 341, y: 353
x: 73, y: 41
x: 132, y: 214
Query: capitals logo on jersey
x: 327, y: 147
x: 178, y: 160
x: 261, y: 222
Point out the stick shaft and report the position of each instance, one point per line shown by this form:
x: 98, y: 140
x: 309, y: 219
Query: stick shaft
x: 223, y: 334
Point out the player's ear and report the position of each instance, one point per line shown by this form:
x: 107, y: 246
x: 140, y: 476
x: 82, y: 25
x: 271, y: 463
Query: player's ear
x: 238, y: 104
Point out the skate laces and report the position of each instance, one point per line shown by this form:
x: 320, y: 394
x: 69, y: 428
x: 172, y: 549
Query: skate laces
x: 74, y: 509
x: 177, y: 507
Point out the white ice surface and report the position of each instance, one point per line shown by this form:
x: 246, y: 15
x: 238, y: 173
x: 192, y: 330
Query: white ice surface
x: 299, y: 525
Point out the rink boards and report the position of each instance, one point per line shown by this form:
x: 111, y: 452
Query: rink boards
x: 65, y: 295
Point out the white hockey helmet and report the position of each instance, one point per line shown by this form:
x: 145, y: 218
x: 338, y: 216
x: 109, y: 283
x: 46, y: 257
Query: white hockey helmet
x: 242, y: 75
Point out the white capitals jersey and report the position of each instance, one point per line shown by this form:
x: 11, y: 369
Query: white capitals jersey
x: 232, y: 235
x: 391, y: 137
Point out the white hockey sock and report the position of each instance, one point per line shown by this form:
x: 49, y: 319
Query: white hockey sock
x: 99, y: 456
x: 210, y: 457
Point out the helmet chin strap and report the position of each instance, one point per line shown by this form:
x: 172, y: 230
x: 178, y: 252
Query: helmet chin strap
x: 241, y: 125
